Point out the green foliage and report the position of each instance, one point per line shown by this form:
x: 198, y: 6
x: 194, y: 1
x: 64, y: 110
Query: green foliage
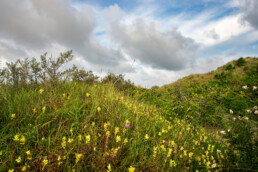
x: 229, y: 67
x: 251, y: 75
x: 240, y: 62
x: 243, y: 147
x: 83, y: 76
x: 51, y: 67
x: 155, y: 87
x: 238, y: 105
x: 119, y: 82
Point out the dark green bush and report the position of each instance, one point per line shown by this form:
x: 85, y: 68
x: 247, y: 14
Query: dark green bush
x: 240, y: 62
x: 229, y: 67
x: 243, y: 148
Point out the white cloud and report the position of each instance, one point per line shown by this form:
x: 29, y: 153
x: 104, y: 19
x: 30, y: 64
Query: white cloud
x: 36, y: 25
x: 248, y: 10
x: 145, y: 41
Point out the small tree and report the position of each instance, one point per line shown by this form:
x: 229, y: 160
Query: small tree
x: 24, y: 71
x: 13, y: 73
x: 35, y: 71
x: 83, y: 76
x: 51, y: 66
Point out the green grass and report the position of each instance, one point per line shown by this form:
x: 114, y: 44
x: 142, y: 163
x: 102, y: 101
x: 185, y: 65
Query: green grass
x: 71, y: 114
x: 82, y: 127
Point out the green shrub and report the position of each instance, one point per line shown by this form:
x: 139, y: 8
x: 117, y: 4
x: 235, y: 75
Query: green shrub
x: 235, y: 103
x: 240, y: 62
x: 242, y: 149
x: 229, y: 67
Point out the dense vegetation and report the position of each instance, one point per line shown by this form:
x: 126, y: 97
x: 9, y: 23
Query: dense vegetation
x: 56, y: 119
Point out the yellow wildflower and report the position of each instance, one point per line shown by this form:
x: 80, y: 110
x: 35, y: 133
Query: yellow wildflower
x: 16, y: 137
x: 29, y: 158
x: 70, y: 140
x: 28, y: 152
x: 93, y: 124
x: 172, y: 163
x: 208, y: 164
x: 44, y: 109
x: 87, y: 139
x: 22, y: 140
x: 173, y: 143
x: 63, y: 144
x: 169, y: 152
x: 163, y: 147
x: 99, y: 109
x: 80, y: 137
x: 34, y: 110
x: 59, y: 158
x: 24, y: 168
x: 116, y: 130
x: 45, y: 162
x: 118, y: 138
x: 1, y: 153
x: 18, y: 160
x: 11, y: 170
x: 109, y: 168
x: 131, y: 169
x: 13, y: 116
x: 185, y: 154
x: 147, y: 137
x: 41, y: 91
x: 78, y: 157
x: 87, y: 94
x: 190, y: 154
x: 108, y: 133
x: 125, y: 141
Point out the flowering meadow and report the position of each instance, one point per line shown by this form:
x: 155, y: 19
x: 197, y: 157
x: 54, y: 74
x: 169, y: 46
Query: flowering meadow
x: 115, y: 126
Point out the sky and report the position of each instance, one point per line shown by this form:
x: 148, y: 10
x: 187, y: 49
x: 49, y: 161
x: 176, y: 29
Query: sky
x: 151, y: 42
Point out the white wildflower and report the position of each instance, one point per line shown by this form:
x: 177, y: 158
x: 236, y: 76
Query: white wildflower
x: 231, y: 111
x: 248, y: 111
x: 222, y: 132
x: 246, y: 118
x: 245, y: 87
x: 254, y: 87
x: 214, y: 165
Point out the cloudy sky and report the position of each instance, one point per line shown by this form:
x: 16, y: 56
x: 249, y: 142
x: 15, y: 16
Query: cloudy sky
x: 152, y: 42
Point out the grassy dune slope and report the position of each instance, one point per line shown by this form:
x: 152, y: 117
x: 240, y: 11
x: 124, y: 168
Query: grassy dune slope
x: 239, y: 72
x: 79, y: 127
x: 75, y: 126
